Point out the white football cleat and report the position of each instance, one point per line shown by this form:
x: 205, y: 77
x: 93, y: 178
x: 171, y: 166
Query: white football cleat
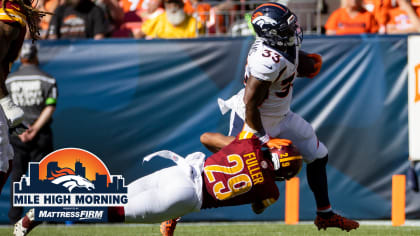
x: 25, y: 224
x: 13, y: 113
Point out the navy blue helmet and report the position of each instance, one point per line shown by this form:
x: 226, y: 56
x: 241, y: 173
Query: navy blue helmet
x: 277, y: 25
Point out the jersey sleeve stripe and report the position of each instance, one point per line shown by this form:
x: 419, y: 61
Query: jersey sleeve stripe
x: 269, y: 201
x: 13, y: 16
x: 290, y: 158
x: 245, y: 135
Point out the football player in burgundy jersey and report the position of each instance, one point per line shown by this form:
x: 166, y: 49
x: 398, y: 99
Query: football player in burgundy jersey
x: 263, y: 106
x: 15, y: 16
x: 240, y: 173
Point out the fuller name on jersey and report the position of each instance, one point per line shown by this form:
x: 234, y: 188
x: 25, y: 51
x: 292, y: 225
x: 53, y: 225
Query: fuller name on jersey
x: 238, y: 174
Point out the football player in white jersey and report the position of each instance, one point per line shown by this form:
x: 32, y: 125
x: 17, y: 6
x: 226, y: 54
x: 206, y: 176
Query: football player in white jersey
x: 263, y: 106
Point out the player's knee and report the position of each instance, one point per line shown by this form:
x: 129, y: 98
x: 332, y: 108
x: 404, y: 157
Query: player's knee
x: 320, y: 162
x: 184, y: 201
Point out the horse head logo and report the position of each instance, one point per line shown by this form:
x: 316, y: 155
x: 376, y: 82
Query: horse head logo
x: 263, y: 20
x: 67, y: 178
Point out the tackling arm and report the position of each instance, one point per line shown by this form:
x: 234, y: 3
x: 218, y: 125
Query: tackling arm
x: 215, y: 141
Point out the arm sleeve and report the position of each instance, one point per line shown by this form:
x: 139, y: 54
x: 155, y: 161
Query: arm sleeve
x: 51, y: 96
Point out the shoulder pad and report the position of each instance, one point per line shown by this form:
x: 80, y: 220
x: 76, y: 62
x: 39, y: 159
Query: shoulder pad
x: 265, y: 63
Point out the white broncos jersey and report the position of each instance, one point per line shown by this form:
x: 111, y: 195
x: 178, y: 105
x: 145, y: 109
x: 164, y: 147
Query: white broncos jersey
x: 267, y: 64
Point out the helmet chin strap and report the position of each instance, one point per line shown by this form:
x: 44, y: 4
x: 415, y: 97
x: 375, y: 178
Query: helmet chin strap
x: 293, y: 41
x: 275, y: 160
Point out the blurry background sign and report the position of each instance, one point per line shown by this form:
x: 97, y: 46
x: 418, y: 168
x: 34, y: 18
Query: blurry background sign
x: 414, y: 97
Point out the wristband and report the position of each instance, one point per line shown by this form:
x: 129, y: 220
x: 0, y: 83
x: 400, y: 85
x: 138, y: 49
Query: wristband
x: 264, y: 139
x: 262, y: 136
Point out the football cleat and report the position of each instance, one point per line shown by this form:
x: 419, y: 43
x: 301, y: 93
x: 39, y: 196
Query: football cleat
x: 336, y: 221
x: 167, y: 228
x: 25, y: 224
x: 13, y: 113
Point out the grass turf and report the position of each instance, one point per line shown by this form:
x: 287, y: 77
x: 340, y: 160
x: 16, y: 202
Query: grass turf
x: 217, y: 229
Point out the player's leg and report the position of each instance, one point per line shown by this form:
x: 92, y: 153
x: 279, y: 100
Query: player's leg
x: 33, y: 151
x: 10, y: 43
x: 167, y: 228
x: 6, y: 151
x: 20, y: 167
x: 315, y: 154
x: 163, y: 195
x: 5, y: 174
x: 25, y: 224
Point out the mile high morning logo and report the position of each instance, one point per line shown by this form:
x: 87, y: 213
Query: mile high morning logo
x: 70, y: 185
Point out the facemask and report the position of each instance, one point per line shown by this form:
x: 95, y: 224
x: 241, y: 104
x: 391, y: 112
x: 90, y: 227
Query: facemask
x: 175, y: 17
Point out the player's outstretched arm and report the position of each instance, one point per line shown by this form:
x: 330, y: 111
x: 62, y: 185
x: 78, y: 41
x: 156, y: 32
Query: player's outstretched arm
x: 215, y: 141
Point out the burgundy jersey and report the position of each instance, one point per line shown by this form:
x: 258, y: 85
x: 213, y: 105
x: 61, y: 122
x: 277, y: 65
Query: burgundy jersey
x: 12, y: 13
x: 238, y: 174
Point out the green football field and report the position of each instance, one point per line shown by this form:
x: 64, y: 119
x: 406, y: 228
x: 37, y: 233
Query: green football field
x: 213, y: 229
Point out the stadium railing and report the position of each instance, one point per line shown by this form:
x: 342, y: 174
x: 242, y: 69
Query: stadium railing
x: 230, y: 18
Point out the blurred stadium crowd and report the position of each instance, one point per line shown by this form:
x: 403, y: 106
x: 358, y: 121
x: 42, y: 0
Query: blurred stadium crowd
x: 202, y: 18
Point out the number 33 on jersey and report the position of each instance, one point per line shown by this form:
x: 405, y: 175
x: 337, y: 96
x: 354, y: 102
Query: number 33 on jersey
x: 268, y: 64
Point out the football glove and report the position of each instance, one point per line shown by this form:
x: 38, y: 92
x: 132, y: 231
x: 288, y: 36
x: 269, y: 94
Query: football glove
x: 13, y: 113
x: 278, y: 143
x: 258, y: 207
x: 317, y: 66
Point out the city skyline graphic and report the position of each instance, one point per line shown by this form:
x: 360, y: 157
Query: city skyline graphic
x: 56, y: 165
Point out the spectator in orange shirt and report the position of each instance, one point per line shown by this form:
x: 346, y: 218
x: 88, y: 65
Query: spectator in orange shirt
x: 351, y: 18
x: 378, y: 8
x: 404, y: 18
x: 371, y: 5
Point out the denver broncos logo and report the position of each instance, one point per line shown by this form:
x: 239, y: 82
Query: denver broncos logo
x: 68, y: 179
x: 263, y: 20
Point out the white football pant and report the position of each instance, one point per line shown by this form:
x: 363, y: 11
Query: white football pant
x: 6, y: 149
x: 166, y: 194
x: 289, y: 126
